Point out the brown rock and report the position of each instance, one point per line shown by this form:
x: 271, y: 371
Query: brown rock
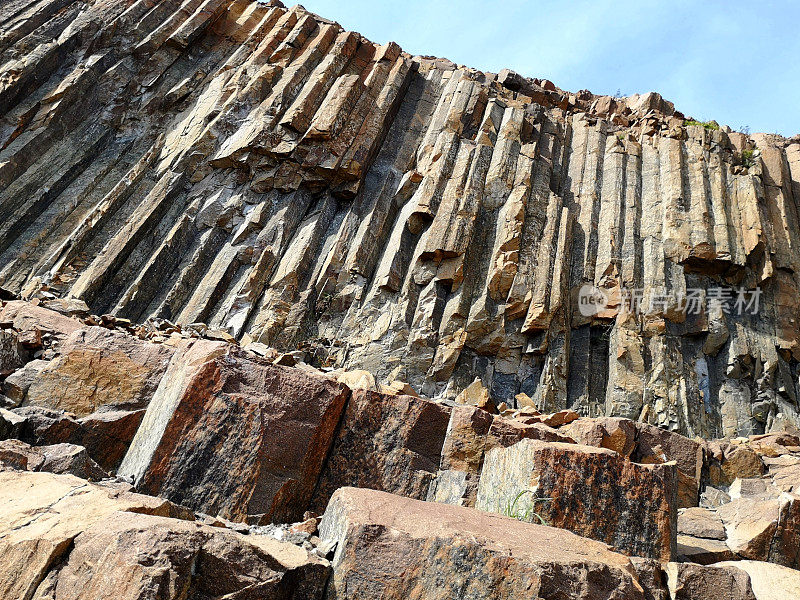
x: 385, y: 442
x: 471, y: 432
x: 99, y: 367
x: 129, y: 556
x: 392, y: 547
x: 229, y: 433
x: 26, y: 317
x: 613, y: 433
x: 769, y: 582
x: 697, y: 582
x: 655, y: 445
x: 767, y: 530
x: 105, y: 435
x: 12, y: 354
x: 700, y: 522
x: 40, y: 516
x: 594, y: 492
x: 65, y: 539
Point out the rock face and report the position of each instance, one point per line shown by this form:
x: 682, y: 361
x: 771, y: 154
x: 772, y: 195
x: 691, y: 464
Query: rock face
x: 227, y: 433
x: 249, y: 259
x: 392, y: 547
x: 263, y: 171
x: 591, y: 491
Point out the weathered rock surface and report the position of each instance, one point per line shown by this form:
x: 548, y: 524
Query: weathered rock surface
x: 65, y: 539
x: 58, y: 458
x: 231, y: 434
x: 105, y: 435
x: 387, y: 443
x: 769, y: 582
x: 98, y: 368
x: 593, y: 492
x: 696, y: 582
x: 263, y: 171
x: 392, y: 547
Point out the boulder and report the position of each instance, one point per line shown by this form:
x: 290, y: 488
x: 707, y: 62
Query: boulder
x: 701, y: 536
x: 385, y: 442
x: 41, y: 514
x: 655, y: 445
x: 12, y: 354
x: 64, y: 539
x: 99, y: 367
x: 727, y: 462
x: 58, y: 458
x: 614, y: 433
x: 697, y: 582
x: 128, y: 556
x: 27, y: 317
x: 766, y: 530
x: 470, y: 433
x: 106, y: 435
x: 769, y: 581
x: 229, y: 433
x: 590, y: 491
x: 392, y: 547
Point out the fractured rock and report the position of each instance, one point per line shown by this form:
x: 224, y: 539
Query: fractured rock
x: 393, y: 547
x: 385, y: 442
x: 229, y: 433
x: 593, y: 492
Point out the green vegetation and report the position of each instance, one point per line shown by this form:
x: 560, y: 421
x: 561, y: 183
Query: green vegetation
x: 748, y: 158
x: 512, y: 510
x: 711, y: 125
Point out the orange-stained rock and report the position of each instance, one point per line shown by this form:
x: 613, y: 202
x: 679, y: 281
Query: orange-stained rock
x: 613, y: 433
x: 593, y: 492
x: 97, y: 367
x: 396, y: 548
x: 230, y: 433
x: 385, y: 442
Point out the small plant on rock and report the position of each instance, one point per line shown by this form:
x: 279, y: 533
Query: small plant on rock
x: 748, y: 158
x: 513, y: 510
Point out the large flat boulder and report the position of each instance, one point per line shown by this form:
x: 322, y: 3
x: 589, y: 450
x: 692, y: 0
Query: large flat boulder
x: 385, y: 442
x: 229, y: 433
x: 62, y: 538
x: 41, y: 514
x: 27, y: 317
x: 594, y: 492
x: 97, y: 367
x: 393, y: 548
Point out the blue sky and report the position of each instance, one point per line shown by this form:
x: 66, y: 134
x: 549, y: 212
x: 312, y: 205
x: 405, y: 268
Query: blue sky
x: 734, y: 61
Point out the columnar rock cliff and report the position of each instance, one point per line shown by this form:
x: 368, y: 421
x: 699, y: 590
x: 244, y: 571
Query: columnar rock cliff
x: 264, y: 171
